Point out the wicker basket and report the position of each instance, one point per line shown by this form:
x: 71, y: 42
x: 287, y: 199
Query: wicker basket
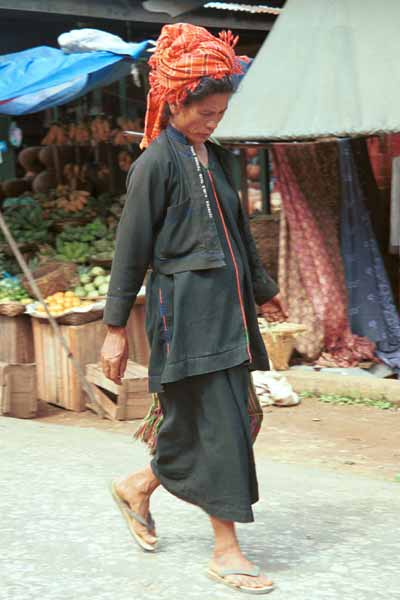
x: 265, y: 230
x: 280, y: 343
x: 53, y: 277
x: 101, y: 262
x: 59, y: 226
x: 79, y: 318
x: 23, y: 247
x: 11, y: 309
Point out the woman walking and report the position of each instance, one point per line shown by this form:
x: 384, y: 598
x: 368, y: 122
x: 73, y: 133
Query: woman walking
x: 183, y: 218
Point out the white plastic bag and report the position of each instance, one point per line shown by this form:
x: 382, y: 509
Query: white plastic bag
x: 93, y: 40
x: 273, y: 389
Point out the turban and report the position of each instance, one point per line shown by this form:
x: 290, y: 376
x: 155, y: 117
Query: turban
x: 184, y: 54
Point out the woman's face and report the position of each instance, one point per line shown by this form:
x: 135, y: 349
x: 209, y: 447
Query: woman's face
x: 198, y: 120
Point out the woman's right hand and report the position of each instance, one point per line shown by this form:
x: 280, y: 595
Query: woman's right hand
x: 115, y: 353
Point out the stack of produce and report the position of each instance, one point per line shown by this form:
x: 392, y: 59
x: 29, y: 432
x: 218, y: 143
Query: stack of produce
x: 8, y: 264
x: 26, y: 223
x: 93, y: 283
x: 71, y: 201
x: 11, y: 290
x: 103, y: 250
x: 57, y: 134
x: 60, y: 303
x: 64, y: 203
x: 74, y: 244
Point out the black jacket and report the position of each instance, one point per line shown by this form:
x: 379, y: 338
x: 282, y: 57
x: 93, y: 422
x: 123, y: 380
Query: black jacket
x: 168, y: 226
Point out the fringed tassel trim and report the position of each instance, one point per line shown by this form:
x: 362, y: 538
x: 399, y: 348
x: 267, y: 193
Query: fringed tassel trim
x: 150, y: 426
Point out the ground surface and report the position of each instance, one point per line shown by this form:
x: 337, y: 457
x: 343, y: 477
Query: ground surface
x: 356, y: 439
x: 320, y: 534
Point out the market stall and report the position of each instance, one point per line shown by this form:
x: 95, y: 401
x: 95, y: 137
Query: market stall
x: 326, y: 113
x: 58, y: 227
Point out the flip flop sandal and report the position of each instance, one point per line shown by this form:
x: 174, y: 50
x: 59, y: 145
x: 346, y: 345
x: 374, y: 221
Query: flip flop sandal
x: 220, y: 577
x: 130, y: 517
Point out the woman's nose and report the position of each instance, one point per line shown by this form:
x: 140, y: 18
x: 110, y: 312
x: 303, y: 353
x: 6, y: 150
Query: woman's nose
x: 212, y: 123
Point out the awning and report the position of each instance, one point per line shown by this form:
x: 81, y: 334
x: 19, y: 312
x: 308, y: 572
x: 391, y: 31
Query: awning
x: 43, y: 77
x: 328, y: 68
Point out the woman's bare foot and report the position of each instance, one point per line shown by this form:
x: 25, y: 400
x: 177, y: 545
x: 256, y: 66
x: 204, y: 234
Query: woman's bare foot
x: 228, y: 556
x: 136, y: 490
x: 234, y: 559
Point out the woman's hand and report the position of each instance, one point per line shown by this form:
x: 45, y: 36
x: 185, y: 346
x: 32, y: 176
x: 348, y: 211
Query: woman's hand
x: 114, y: 354
x: 275, y: 310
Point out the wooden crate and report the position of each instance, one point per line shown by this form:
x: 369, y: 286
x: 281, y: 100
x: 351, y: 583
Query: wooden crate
x: 139, y: 350
x: 18, y: 393
x: 57, y: 379
x: 16, y: 340
x: 131, y: 400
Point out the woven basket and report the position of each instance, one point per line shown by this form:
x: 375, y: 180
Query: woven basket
x: 22, y: 247
x: 280, y: 344
x: 53, y: 277
x: 59, y: 226
x: 79, y: 318
x: 265, y: 230
x: 11, y: 309
x: 101, y: 262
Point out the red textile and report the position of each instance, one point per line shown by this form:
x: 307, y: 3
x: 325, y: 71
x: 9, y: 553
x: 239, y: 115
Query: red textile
x: 311, y: 274
x: 184, y: 54
x: 382, y: 150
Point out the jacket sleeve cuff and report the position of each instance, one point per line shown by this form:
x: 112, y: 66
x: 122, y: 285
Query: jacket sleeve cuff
x: 117, y: 310
x: 264, y: 288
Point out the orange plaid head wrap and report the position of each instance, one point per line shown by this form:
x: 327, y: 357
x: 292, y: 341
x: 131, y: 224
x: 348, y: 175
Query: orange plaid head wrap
x: 184, y: 54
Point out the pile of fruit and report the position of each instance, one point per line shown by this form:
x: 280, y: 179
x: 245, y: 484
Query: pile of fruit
x: 26, y: 223
x: 66, y: 202
x: 74, y: 244
x: 103, y: 249
x: 61, y: 302
x: 12, y: 291
x: 93, y: 283
x: 72, y: 201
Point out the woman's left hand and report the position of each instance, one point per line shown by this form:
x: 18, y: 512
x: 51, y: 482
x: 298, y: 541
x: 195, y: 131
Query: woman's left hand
x: 275, y: 310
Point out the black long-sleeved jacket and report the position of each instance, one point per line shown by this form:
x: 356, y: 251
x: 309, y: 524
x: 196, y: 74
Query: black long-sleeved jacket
x: 167, y: 225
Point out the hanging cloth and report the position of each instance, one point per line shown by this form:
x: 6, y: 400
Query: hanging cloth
x: 372, y: 311
x: 311, y: 274
x: 394, y: 246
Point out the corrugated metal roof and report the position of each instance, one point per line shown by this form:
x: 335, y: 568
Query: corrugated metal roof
x: 248, y: 8
x: 319, y: 74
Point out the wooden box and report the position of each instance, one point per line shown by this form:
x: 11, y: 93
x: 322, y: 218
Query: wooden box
x: 137, y: 338
x: 18, y: 393
x: 16, y: 340
x: 57, y: 380
x: 131, y: 400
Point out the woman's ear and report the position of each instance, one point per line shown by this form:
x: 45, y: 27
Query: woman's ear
x: 173, y: 109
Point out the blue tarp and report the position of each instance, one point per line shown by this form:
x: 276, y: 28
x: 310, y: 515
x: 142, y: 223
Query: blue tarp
x: 43, y: 77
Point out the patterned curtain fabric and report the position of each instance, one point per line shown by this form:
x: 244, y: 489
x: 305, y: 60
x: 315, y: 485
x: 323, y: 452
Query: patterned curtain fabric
x: 311, y: 274
x: 371, y: 307
x: 394, y: 245
x: 382, y: 149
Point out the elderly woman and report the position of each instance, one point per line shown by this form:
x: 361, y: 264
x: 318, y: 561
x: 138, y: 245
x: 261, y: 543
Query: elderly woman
x: 183, y: 218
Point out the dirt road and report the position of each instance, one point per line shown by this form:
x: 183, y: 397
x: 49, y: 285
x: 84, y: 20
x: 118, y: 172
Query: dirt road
x: 358, y: 438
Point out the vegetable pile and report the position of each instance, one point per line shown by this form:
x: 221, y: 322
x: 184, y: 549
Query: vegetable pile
x: 75, y: 243
x: 26, y: 223
x: 93, y: 283
x: 12, y: 291
x: 59, y: 303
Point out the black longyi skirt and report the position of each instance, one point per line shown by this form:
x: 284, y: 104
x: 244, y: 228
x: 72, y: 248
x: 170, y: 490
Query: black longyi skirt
x: 204, y: 449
